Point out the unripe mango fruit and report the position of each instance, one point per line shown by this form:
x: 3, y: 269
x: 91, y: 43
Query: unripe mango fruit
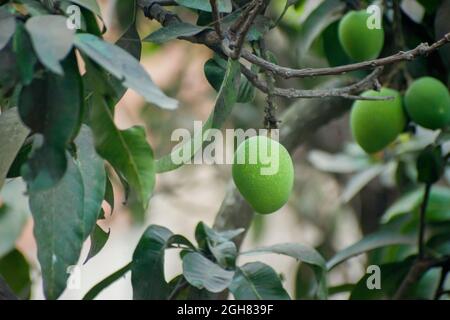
x: 427, y: 102
x: 358, y: 41
x: 375, y: 124
x: 263, y: 173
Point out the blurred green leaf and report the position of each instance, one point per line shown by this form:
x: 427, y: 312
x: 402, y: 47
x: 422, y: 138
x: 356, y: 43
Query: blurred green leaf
x: 188, y: 292
x: 337, y: 163
x: 14, y: 214
x: 7, y: 26
x: 203, y: 273
x: 26, y: 58
x: 225, y: 101
x: 51, y: 39
x: 204, y: 5
x: 123, y: 66
x: 359, y: 181
x: 325, y: 14
x: 392, y: 275
x: 91, y: 5
x: 15, y: 269
x: 257, y: 281
x: 381, y: 238
x: 174, y: 31
x: 12, y: 136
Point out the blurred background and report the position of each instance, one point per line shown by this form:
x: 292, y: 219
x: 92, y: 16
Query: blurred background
x: 326, y: 209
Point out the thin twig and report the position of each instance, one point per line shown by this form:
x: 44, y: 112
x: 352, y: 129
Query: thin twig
x: 284, y: 72
x: 422, y: 223
x: 216, y: 18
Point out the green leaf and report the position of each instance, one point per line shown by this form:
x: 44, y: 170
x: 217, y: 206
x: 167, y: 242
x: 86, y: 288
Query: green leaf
x: 91, y: 5
x: 224, y: 104
x: 147, y: 270
x: 392, y: 275
x: 203, y: 273
x: 7, y: 27
x: 430, y: 165
x: 304, y: 254
x: 12, y: 136
x: 59, y: 228
x: 99, y: 287
x: 174, y: 31
x: 126, y: 150
x: 406, y: 204
x: 25, y: 56
x: 93, y: 173
x: 359, y: 181
x: 187, y: 292
x: 98, y: 240
x: 14, y: 214
x: 15, y: 269
x: 257, y: 281
x: 123, y: 66
x: 379, y: 239
x: 34, y: 8
x: 51, y: 106
x: 325, y: 14
x: 51, y: 39
x: 438, y: 209
x: 204, y: 5
x: 123, y: 13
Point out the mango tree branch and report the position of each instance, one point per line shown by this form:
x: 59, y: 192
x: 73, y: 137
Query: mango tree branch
x: 423, y: 49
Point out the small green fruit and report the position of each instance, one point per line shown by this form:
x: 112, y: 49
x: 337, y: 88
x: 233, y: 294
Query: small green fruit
x: 427, y: 102
x: 358, y: 41
x: 263, y: 173
x: 376, y: 124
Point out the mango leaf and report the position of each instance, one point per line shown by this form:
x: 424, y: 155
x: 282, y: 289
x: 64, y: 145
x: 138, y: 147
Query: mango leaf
x: 7, y: 27
x: 34, y: 8
x: 12, y: 136
x: 126, y: 150
x: 406, y: 204
x: 174, y: 31
x: 91, y: 5
x: 325, y: 14
x: 303, y: 254
x: 379, y: 239
x: 59, y: 228
x: 15, y: 269
x: 359, y: 181
x: 202, y: 273
x: 99, y: 287
x: 204, y: 5
x: 51, y: 39
x: 392, y: 275
x: 124, y: 67
x: 224, y: 103
x: 257, y: 281
x: 181, y: 291
x: 25, y: 56
x: 52, y: 107
x: 147, y: 269
x: 92, y: 170
x: 98, y: 240
x: 14, y: 214
x: 123, y: 14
